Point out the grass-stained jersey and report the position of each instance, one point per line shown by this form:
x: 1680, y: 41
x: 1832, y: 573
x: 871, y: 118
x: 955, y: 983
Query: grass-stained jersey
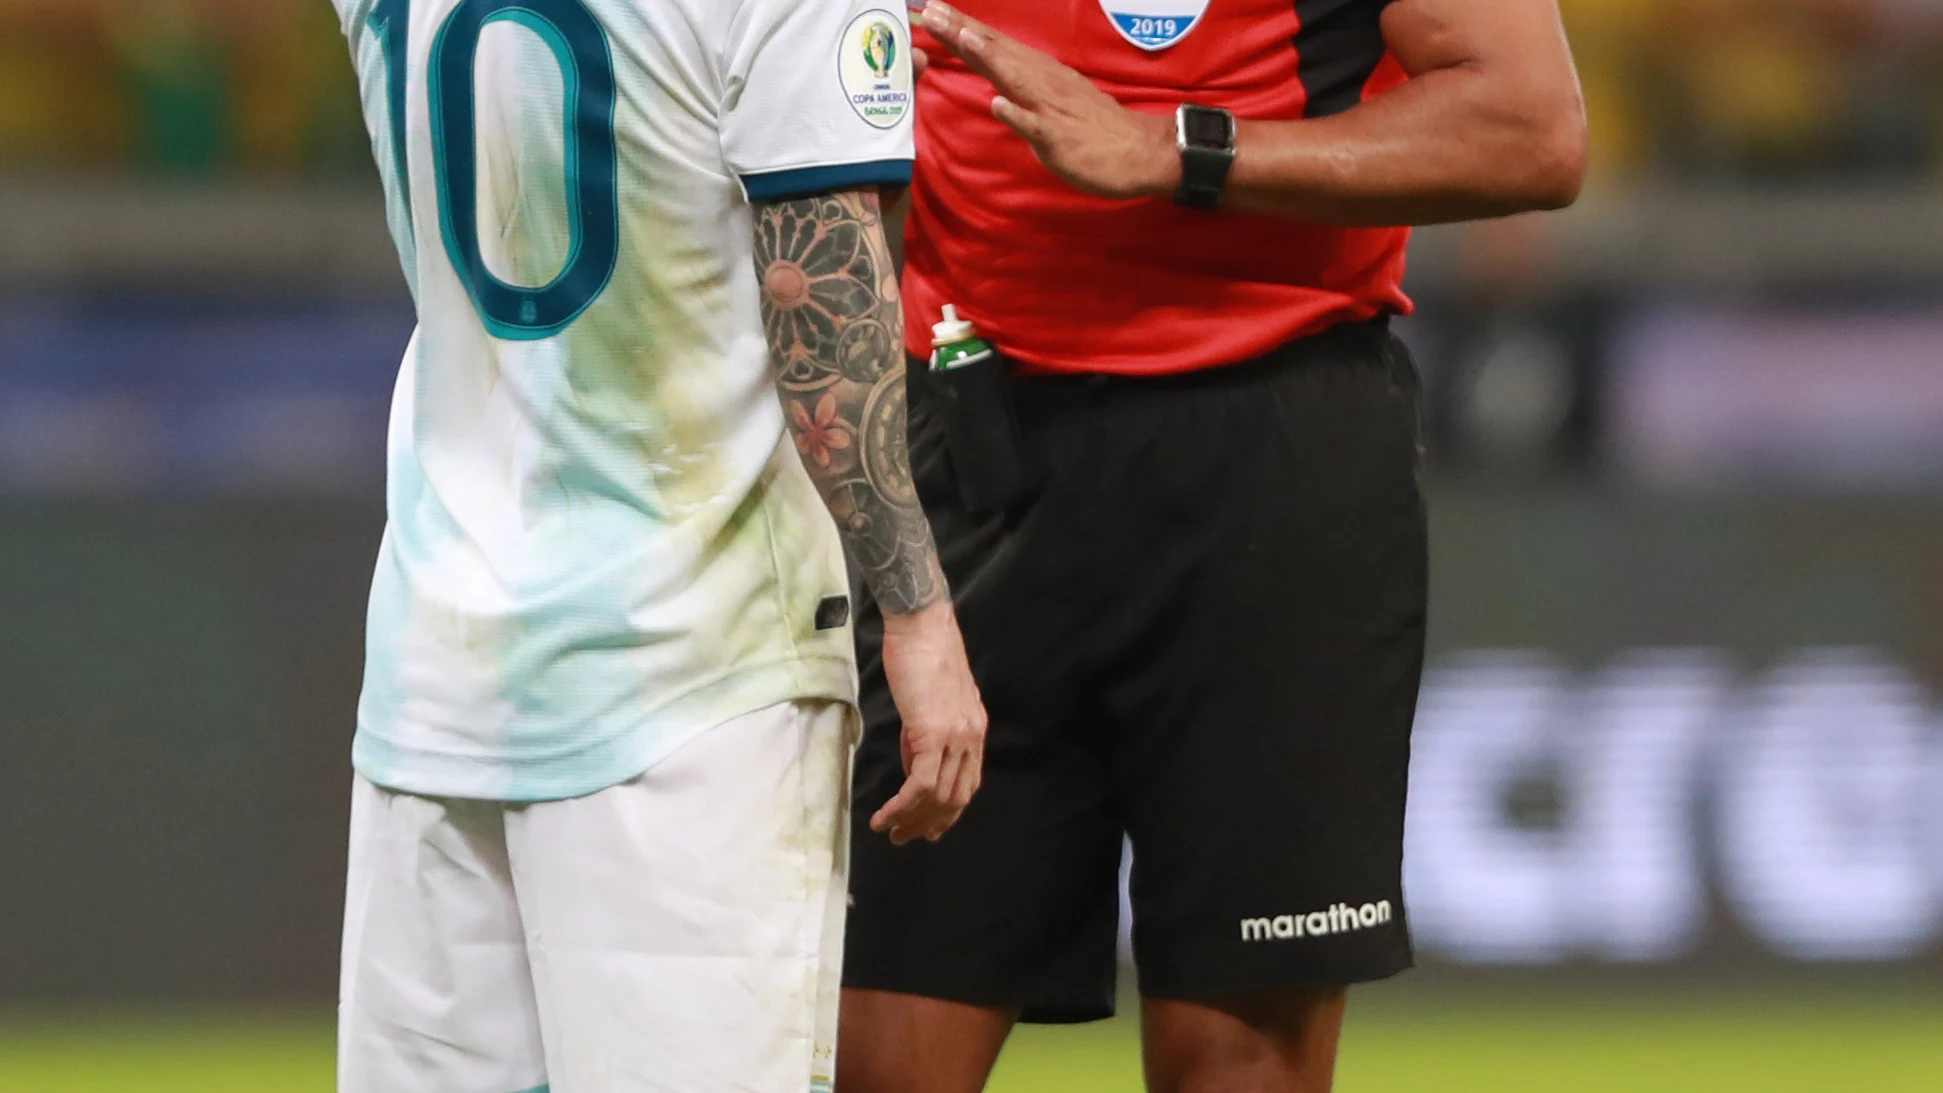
x: 600, y: 541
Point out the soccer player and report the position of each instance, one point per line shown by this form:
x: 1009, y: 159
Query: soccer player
x: 1202, y: 625
x: 599, y: 825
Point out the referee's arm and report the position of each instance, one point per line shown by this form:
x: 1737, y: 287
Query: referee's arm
x: 1490, y: 123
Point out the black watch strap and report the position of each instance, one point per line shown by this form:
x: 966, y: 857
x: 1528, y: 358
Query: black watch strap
x: 1205, y: 136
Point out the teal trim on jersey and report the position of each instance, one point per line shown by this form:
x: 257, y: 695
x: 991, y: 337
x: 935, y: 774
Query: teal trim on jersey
x: 810, y: 181
x: 390, y: 20
x: 389, y: 23
x: 570, y: 30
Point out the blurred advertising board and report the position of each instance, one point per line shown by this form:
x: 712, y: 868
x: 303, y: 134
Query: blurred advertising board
x: 1698, y: 738
x: 1700, y: 733
x: 1827, y: 397
x: 173, y: 395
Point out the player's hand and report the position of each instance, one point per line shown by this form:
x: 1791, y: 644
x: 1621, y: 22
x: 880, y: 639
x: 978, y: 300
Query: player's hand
x: 944, y: 724
x: 1077, y: 130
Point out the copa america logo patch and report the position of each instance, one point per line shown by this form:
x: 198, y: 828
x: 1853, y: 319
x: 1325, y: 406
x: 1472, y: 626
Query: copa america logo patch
x: 874, y: 65
x: 1154, y: 24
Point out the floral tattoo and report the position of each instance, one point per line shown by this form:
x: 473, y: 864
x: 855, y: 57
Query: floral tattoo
x: 831, y: 309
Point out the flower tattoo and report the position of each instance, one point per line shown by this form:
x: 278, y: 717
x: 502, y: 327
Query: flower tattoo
x: 821, y: 433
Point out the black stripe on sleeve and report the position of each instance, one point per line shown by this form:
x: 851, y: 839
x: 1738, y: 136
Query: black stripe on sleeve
x: 1337, y: 47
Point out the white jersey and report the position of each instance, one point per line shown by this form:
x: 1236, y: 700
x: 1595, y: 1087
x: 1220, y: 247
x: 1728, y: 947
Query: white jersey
x: 600, y: 540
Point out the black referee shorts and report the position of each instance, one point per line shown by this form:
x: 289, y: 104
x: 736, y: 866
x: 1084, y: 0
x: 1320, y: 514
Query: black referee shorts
x: 1205, y: 634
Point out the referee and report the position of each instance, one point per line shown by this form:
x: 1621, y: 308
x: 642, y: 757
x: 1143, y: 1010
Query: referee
x: 1197, y: 617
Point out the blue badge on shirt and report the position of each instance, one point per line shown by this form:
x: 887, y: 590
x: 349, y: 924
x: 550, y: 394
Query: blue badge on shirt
x: 1154, y: 24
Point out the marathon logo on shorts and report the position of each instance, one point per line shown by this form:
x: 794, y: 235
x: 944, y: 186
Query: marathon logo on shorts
x: 1340, y: 919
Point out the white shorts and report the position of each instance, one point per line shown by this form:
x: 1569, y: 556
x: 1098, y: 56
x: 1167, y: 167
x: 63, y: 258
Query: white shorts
x: 682, y: 932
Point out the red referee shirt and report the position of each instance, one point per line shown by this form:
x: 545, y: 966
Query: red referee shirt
x: 1066, y: 282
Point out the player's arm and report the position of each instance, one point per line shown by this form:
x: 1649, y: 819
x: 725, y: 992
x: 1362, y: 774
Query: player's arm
x: 836, y: 330
x: 1490, y: 123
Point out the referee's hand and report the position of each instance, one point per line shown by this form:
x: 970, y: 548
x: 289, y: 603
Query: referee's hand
x: 944, y: 724
x: 1077, y: 130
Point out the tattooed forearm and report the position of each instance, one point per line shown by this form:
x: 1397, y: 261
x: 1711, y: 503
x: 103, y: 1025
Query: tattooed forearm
x: 836, y: 328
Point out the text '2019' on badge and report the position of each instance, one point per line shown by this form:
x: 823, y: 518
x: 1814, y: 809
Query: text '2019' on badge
x: 1154, y: 24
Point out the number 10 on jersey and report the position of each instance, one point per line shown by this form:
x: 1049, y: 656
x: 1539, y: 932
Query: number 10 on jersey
x: 579, y: 44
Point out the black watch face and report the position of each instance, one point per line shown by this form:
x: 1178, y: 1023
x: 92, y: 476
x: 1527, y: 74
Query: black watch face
x: 1207, y: 129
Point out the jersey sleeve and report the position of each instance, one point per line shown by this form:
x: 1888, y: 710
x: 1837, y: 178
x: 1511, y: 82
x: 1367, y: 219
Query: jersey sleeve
x: 818, y: 97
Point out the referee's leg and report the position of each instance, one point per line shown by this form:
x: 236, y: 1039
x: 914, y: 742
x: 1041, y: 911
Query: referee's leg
x: 1273, y: 1042
x: 1264, y: 729
x: 918, y: 1043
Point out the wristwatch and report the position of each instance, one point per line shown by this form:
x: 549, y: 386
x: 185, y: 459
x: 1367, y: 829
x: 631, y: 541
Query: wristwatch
x: 1206, y: 137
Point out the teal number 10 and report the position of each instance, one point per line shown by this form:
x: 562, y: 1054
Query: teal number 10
x: 569, y: 29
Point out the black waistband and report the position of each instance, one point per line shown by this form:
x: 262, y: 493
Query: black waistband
x: 1365, y: 340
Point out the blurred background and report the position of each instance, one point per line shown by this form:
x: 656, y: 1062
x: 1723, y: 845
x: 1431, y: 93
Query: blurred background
x: 1678, y: 802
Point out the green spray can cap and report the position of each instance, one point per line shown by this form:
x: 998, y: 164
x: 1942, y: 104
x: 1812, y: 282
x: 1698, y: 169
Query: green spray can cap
x: 956, y: 343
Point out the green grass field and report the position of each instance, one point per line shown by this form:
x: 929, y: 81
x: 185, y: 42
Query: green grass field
x: 1449, y: 1043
